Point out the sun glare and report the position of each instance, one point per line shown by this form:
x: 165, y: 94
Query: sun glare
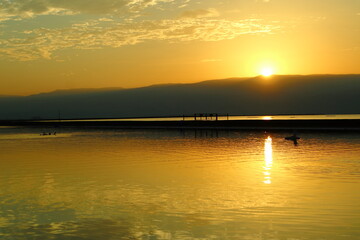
x: 267, y: 72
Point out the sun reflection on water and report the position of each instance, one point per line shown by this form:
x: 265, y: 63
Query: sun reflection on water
x: 268, y: 160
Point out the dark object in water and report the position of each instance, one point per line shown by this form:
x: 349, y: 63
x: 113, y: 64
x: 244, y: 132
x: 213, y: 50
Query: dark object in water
x: 292, y: 138
x: 47, y: 134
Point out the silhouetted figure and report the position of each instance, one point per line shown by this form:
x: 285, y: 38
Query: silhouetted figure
x: 293, y: 138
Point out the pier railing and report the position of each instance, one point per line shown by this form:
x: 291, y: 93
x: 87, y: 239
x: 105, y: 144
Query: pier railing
x: 206, y: 117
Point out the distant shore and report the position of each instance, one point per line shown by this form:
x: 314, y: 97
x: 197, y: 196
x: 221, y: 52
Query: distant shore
x: 325, y: 125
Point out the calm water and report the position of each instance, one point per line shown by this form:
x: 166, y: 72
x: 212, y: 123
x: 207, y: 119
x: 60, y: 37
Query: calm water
x: 101, y: 185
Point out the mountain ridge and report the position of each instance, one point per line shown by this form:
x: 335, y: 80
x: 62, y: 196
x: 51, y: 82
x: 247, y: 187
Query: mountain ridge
x: 278, y: 94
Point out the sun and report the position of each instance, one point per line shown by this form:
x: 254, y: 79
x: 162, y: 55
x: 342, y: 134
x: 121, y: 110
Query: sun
x: 267, y: 71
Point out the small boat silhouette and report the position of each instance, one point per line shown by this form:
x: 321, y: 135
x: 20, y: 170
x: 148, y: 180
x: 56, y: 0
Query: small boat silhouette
x: 292, y: 138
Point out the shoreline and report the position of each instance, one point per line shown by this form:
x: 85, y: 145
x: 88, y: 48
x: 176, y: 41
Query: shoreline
x: 311, y: 125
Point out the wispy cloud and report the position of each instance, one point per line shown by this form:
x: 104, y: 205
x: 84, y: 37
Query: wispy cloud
x: 31, y: 8
x: 43, y: 42
x: 200, y: 13
x: 185, y: 3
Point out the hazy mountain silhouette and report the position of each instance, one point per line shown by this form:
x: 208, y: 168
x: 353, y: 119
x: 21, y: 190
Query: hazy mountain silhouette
x: 296, y: 94
x: 62, y: 92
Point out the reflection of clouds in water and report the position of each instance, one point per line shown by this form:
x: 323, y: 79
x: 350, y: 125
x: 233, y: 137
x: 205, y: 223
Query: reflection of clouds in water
x: 110, y: 229
x: 143, y: 227
x: 90, y: 229
x: 168, y: 185
x: 97, y: 229
x: 3, y: 222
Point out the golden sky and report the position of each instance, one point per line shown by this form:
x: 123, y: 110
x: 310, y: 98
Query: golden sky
x: 61, y: 44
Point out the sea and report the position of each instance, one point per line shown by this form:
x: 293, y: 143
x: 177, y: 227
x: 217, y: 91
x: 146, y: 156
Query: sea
x: 110, y: 184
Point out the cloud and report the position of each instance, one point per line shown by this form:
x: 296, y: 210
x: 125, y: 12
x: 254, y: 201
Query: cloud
x: 106, y: 20
x: 44, y: 43
x: 31, y: 8
x: 200, y: 13
x: 184, y: 4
